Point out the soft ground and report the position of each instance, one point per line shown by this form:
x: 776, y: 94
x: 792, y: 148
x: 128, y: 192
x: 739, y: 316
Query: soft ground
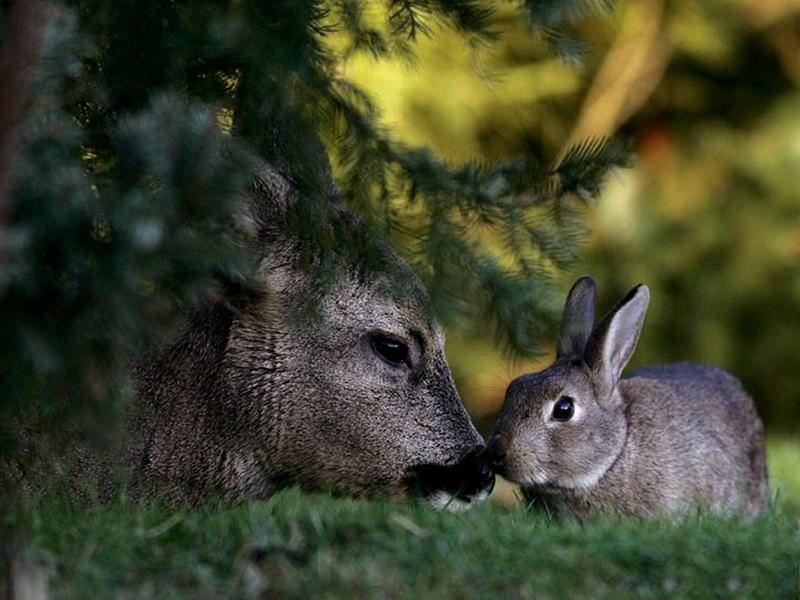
x: 296, y: 545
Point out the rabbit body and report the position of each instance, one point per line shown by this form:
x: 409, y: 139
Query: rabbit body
x: 671, y: 439
x: 682, y: 451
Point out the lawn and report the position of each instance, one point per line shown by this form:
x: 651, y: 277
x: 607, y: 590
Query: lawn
x: 296, y: 545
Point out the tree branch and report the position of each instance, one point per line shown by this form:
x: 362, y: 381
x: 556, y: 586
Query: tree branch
x: 19, y: 54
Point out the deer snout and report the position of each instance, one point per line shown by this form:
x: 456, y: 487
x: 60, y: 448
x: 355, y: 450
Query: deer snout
x: 455, y: 486
x: 496, y: 454
x: 475, y: 475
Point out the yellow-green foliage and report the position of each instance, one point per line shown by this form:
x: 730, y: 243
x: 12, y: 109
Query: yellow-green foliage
x: 783, y: 457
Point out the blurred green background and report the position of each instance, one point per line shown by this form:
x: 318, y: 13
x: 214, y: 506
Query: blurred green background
x: 707, y: 93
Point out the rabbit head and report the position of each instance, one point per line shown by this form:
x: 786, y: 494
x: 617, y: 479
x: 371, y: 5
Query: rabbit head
x: 565, y: 426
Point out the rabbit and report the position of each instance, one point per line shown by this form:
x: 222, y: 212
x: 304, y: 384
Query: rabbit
x: 669, y: 440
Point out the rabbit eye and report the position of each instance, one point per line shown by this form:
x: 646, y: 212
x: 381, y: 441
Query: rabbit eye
x: 564, y: 409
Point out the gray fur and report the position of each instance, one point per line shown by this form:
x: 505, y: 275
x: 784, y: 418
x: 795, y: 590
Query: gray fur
x: 253, y: 398
x: 578, y: 318
x: 669, y: 440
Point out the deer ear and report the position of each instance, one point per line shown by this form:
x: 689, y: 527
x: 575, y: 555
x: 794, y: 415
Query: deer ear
x: 277, y: 206
x: 578, y: 318
x: 613, y: 341
x: 262, y: 213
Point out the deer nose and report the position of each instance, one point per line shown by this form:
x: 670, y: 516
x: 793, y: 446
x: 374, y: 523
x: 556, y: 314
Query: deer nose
x: 477, y: 477
x: 496, y: 453
x: 470, y: 479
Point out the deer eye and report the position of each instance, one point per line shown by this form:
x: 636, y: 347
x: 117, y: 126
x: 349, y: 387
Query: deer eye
x: 563, y: 409
x: 390, y: 349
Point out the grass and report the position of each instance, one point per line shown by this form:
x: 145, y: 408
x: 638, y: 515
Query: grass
x: 296, y: 545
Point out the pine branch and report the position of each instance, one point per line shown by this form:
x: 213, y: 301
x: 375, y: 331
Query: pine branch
x: 569, y: 49
x: 471, y: 17
x: 584, y: 165
x: 554, y: 20
x: 546, y: 13
x: 407, y: 18
x: 362, y: 37
x: 446, y: 204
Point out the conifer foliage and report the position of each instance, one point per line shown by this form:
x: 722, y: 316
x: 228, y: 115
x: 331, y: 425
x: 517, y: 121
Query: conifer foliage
x: 142, y: 122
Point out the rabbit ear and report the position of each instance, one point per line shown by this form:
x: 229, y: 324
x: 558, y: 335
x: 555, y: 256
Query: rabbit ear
x: 612, y: 343
x: 578, y: 318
